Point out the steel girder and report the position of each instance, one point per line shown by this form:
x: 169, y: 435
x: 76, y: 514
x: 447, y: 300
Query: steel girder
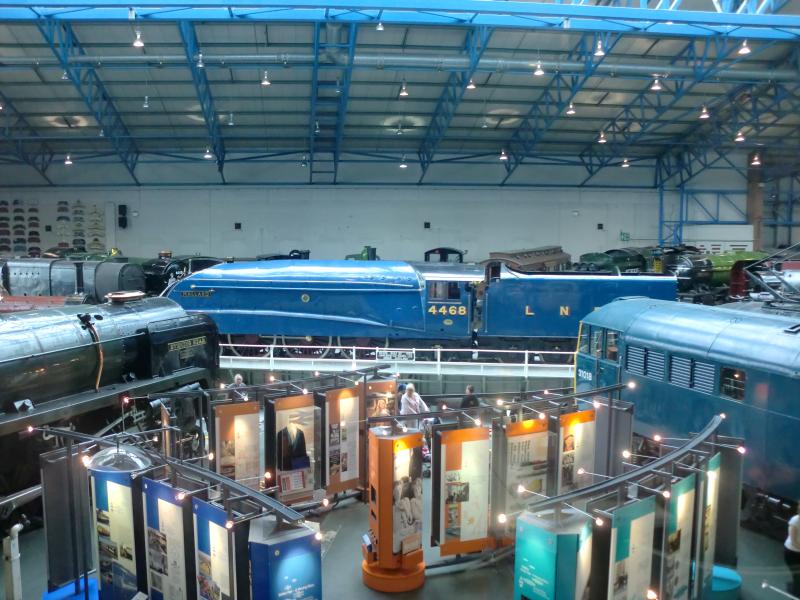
x: 33, y: 152
x: 474, y: 46
x: 192, y: 48
x: 642, y: 117
x: 742, y: 19
x: 750, y: 109
x: 555, y: 99
x: 65, y: 45
x: 333, y: 55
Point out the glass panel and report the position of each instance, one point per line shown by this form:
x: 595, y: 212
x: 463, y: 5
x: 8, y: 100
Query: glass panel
x: 612, y: 345
x: 732, y: 382
x: 583, y: 340
x: 597, y: 343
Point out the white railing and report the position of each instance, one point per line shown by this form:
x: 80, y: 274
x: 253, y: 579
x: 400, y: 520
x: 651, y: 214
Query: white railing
x: 439, y: 361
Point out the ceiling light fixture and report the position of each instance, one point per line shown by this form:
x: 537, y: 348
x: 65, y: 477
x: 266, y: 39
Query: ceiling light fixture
x: 744, y: 49
x: 625, y: 164
x: 64, y: 76
x: 68, y: 160
x: 304, y: 161
x: 138, y: 42
x: 379, y: 26
x: 230, y: 120
x: 570, y: 109
x: 599, y: 49
x: 739, y: 137
x: 485, y: 124
x: 471, y: 85
x: 316, y: 127
x: 399, y: 129
x: 656, y: 86
x: 539, y: 70
x: 403, y: 89
x: 503, y: 155
x: 200, y: 63
x: 704, y: 114
x: 265, y: 80
x: 602, y: 139
x: 403, y: 164
x: 207, y: 155
x: 146, y: 103
x: 756, y: 162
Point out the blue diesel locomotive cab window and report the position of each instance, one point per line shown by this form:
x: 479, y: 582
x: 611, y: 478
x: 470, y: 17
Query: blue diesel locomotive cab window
x: 732, y: 382
x: 439, y: 291
x: 612, y: 345
x: 583, y: 339
x: 597, y: 343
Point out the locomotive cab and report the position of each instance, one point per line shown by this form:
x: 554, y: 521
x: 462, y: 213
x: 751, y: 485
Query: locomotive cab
x: 598, y: 357
x: 449, y: 297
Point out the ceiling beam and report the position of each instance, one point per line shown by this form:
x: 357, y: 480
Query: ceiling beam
x: 28, y: 147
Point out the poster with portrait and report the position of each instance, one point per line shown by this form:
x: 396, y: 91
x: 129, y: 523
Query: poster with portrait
x: 239, y: 446
x: 164, y: 536
x: 526, y: 464
x: 407, y: 500
x: 382, y: 398
x: 114, y: 530
x: 463, y: 510
x: 343, y: 418
x: 213, y: 552
x: 296, y: 446
x: 678, y: 560
x: 710, y: 509
x: 631, y: 557
x: 576, y: 448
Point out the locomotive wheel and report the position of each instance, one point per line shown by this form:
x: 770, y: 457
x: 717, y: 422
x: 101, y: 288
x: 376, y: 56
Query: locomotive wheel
x: 246, y: 340
x: 300, y: 352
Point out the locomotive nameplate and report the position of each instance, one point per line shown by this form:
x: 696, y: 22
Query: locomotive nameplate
x: 197, y: 294
x: 186, y: 344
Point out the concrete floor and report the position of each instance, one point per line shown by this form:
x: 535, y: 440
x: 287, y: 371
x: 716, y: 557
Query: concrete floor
x: 760, y: 558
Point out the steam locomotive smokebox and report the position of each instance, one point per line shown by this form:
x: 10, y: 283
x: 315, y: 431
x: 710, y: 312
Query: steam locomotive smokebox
x: 103, y: 277
x: 182, y: 342
x: 42, y: 277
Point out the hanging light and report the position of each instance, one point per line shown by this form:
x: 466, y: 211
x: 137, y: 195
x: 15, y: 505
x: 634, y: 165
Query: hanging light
x: 230, y: 120
x: 570, y: 109
x: 503, y: 155
x: 656, y: 86
x: 704, y: 114
x: 403, y: 164
x: 68, y: 160
x: 64, y: 76
x: 265, y: 80
x: 138, y: 42
x: 379, y: 26
x: 207, y: 155
x: 471, y: 85
x: 539, y: 70
x: 146, y: 103
x: 744, y: 49
x: 338, y: 87
x: 599, y: 49
x: 602, y: 139
x: 1, y: 106
x: 399, y: 129
x: 739, y: 137
x: 304, y: 161
x: 756, y: 162
x: 102, y: 133
x: 485, y: 124
x: 625, y: 164
x: 403, y: 89
x: 200, y: 63
x: 316, y: 127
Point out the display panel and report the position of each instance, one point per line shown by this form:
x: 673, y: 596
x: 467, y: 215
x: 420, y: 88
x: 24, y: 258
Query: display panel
x: 165, y: 538
x: 114, y: 527
x: 297, y: 425
x: 678, y: 561
x: 238, y: 443
x: 583, y: 569
x: 576, y: 448
x: 381, y: 398
x: 535, y: 560
x: 343, y: 418
x: 710, y: 509
x: 631, y: 560
x: 406, y: 498
x: 526, y: 463
x: 214, y: 554
x: 463, y: 497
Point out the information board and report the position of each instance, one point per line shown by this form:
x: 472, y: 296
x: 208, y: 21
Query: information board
x: 576, y: 448
x: 631, y: 557
x: 678, y: 560
x: 238, y: 442
x: 214, y: 553
x: 343, y: 418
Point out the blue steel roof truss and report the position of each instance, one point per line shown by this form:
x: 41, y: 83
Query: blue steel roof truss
x: 64, y: 44
x: 192, y: 48
x: 29, y: 149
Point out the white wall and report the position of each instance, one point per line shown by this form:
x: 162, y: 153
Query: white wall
x: 336, y: 221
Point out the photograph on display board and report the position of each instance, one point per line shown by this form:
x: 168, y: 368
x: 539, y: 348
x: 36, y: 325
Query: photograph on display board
x: 407, y: 501
x: 526, y: 463
x: 343, y: 415
x: 633, y: 528
x: 381, y: 398
x: 576, y: 448
x: 212, y: 552
x: 678, y: 561
x: 238, y: 443
x: 295, y: 422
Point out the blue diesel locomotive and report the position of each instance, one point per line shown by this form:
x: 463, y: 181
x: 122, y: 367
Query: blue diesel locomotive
x: 384, y: 303
x: 691, y: 362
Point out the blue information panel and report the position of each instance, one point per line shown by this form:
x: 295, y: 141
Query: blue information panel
x: 214, y: 553
x: 284, y: 563
x: 165, y: 535
x: 114, y: 529
x: 633, y: 528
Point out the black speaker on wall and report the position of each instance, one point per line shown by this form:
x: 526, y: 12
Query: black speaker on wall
x: 122, y: 216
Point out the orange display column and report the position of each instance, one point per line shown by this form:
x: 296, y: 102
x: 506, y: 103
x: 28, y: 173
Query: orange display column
x: 392, y: 549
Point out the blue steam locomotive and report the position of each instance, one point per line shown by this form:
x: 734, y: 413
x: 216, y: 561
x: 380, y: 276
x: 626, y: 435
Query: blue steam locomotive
x: 691, y: 362
x: 371, y: 303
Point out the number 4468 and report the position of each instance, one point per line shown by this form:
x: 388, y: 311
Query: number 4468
x: 448, y: 310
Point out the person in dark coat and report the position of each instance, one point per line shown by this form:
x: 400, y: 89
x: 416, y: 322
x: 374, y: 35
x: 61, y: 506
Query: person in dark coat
x: 470, y: 400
